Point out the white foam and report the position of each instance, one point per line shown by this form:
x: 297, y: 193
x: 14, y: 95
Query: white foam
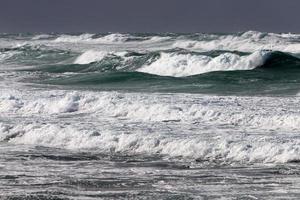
x: 247, y: 42
x: 95, y: 56
x: 88, y: 38
x: 154, y: 108
x: 287, y: 35
x: 113, y: 38
x: 52, y: 104
x: 6, y: 55
x: 241, y: 129
x: 227, y: 148
x: 158, y: 39
x: 178, y: 65
x: 90, y: 56
x: 74, y: 38
x: 41, y: 37
x: 116, y: 38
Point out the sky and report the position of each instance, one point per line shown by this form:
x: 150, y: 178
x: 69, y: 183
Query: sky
x: 149, y: 15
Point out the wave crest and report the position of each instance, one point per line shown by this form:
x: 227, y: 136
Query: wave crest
x: 179, y: 65
x: 249, y: 41
x: 74, y: 38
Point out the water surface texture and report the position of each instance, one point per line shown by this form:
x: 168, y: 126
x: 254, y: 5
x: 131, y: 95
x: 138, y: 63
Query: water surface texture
x: 145, y: 116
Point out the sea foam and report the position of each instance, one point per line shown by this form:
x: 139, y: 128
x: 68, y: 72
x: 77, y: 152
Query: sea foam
x: 74, y: 38
x: 91, y: 56
x: 113, y: 38
x: 247, y: 42
x: 138, y: 107
x: 102, y: 115
x: 178, y: 65
x: 225, y: 148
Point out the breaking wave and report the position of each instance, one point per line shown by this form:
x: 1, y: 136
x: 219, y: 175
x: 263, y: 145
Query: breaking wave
x: 135, y: 66
x: 203, y: 98
x: 263, y: 150
x: 247, y: 42
x: 187, y: 64
x: 138, y: 107
x: 74, y: 38
x: 113, y: 38
x: 217, y: 111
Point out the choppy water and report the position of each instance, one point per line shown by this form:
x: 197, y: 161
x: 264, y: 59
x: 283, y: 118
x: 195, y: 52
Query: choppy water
x: 143, y: 116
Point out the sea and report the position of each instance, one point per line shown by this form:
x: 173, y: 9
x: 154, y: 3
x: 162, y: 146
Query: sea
x: 150, y: 116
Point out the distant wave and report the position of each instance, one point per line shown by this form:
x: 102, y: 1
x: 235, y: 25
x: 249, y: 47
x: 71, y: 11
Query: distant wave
x: 94, y: 56
x: 42, y: 37
x: 248, y: 42
x: 74, y: 38
x: 28, y: 55
x: 114, y: 38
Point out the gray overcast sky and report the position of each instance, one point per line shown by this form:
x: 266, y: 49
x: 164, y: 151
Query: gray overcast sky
x: 149, y: 15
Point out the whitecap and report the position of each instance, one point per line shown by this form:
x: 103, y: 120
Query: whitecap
x: 179, y: 65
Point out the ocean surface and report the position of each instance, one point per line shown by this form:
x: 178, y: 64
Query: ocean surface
x: 150, y: 116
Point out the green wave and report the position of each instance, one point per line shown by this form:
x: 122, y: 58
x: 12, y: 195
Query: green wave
x: 280, y: 73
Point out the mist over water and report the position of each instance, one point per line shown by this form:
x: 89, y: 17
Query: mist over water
x: 180, y: 116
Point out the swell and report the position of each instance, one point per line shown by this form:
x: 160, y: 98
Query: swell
x: 214, y: 72
x: 279, y: 74
x: 280, y: 60
x: 173, y: 62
